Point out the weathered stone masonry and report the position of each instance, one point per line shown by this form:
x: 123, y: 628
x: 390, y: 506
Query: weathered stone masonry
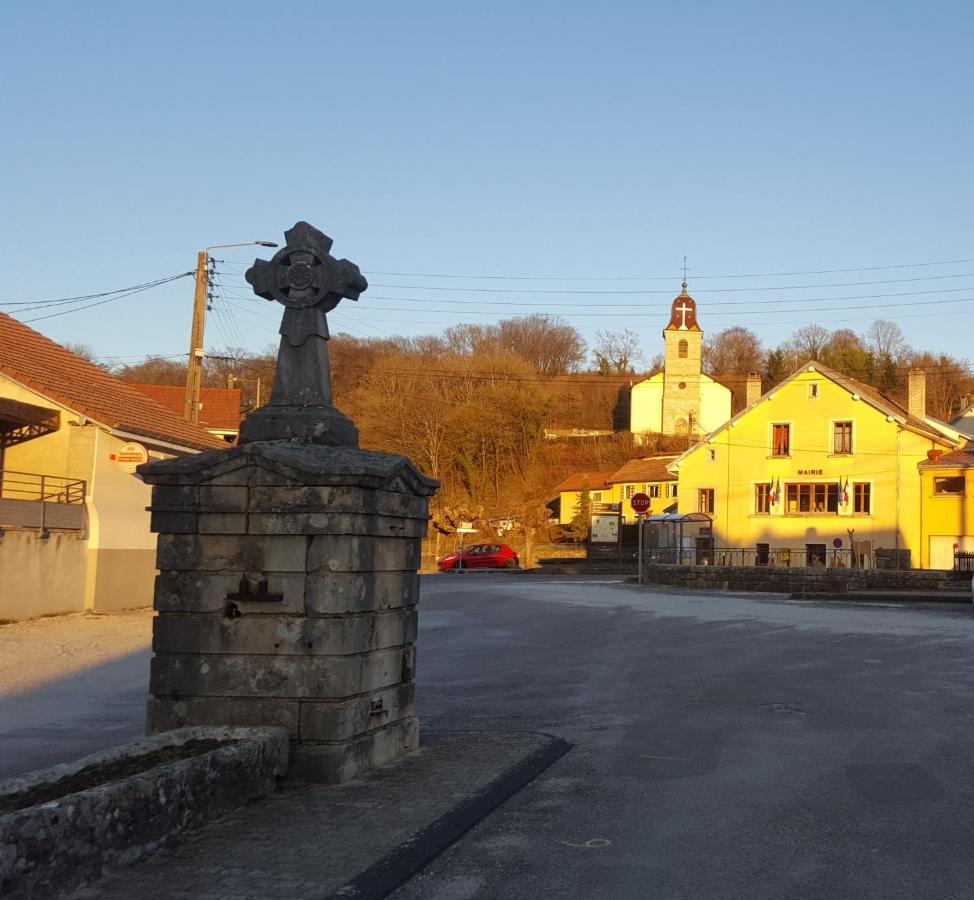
x: 287, y: 594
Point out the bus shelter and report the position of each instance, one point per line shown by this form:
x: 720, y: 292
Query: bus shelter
x: 682, y: 539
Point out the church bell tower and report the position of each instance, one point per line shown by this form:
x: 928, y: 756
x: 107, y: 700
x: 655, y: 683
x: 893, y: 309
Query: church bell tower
x: 681, y: 369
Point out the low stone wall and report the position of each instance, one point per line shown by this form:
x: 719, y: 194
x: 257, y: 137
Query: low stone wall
x: 780, y: 579
x: 54, y: 847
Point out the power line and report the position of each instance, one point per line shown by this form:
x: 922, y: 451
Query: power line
x: 239, y: 294
x: 82, y: 297
x: 655, y: 316
x: 75, y: 309
x: 793, y: 287
x: 674, y: 276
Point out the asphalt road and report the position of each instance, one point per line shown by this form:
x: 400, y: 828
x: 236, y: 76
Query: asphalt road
x: 71, y: 685
x: 725, y: 747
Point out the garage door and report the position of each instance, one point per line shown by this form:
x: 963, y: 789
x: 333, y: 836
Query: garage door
x: 942, y: 549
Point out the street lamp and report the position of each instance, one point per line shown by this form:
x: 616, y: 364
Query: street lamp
x: 194, y: 371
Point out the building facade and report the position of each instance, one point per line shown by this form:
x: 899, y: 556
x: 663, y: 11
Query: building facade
x: 947, y: 508
x: 569, y: 493
x: 681, y: 399
x: 650, y: 476
x: 817, y: 467
x: 74, y: 530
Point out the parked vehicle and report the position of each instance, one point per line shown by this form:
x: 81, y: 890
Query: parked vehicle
x: 481, y: 556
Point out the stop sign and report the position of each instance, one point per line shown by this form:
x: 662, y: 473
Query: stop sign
x: 639, y: 502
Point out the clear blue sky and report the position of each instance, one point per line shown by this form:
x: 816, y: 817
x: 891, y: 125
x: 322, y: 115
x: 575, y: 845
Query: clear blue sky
x: 584, y: 140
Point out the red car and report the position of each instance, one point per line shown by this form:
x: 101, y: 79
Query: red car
x: 481, y: 556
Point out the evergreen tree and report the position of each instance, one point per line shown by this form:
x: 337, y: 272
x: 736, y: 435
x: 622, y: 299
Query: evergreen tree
x: 582, y: 519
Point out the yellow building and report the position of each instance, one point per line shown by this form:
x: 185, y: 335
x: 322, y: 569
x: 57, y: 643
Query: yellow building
x: 947, y: 507
x: 74, y: 531
x: 649, y: 476
x: 816, y: 463
x: 681, y: 399
x: 601, y: 493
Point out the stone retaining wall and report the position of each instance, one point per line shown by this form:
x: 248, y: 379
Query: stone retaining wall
x: 50, y: 849
x: 793, y: 580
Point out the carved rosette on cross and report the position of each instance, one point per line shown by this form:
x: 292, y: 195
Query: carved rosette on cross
x: 308, y: 282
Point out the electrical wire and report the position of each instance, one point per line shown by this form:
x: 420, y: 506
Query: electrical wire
x: 81, y: 297
x: 947, y: 262
x: 735, y: 290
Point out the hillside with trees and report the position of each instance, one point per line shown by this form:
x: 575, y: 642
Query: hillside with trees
x: 472, y: 405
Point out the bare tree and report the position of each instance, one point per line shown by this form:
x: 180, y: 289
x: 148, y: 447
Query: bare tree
x: 809, y: 341
x: 949, y: 381
x: 154, y: 370
x: 85, y: 351
x: 616, y: 352
x: 549, y: 343
x: 886, y: 340
x: 733, y: 351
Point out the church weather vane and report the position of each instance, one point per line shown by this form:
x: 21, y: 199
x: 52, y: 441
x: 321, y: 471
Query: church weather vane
x: 308, y: 282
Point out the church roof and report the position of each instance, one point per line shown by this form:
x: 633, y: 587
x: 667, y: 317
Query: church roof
x: 683, y: 313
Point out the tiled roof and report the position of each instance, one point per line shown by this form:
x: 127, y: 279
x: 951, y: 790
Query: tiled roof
x: 955, y: 459
x: 37, y: 362
x: 597, y: 481
x: 650, y: 468
x: 219, y: 407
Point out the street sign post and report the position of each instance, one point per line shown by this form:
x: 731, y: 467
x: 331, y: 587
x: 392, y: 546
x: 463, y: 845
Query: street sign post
x: 640, y: 504
x: 464, y: 529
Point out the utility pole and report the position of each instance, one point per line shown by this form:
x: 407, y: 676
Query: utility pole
x: 194, y: 371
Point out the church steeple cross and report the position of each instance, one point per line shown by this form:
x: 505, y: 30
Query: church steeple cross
x: 683, y: 309
x: 685, y: 270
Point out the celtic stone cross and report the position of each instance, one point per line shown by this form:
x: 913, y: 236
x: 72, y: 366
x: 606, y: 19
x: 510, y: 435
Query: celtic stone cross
x: 308, y: 282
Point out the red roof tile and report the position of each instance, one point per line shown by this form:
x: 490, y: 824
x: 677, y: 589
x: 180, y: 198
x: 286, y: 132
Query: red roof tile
x: 650, y: 468
x: 597, y: 481
x: 38, y: 363
x: 219, y: 407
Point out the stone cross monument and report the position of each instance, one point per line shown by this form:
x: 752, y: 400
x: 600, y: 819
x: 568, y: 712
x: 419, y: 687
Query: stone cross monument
x: 287, y: 584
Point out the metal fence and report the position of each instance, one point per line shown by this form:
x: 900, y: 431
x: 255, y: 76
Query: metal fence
x: 786, y: 557
x: 47, y: 488
x: 44, y: 502
x: 963, y: 561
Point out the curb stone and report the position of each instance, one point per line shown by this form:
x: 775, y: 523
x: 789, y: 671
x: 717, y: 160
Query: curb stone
x: 384, y: 876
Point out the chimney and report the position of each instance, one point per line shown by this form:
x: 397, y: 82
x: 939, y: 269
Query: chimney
x: 753, y: 388
x: 917, y: 405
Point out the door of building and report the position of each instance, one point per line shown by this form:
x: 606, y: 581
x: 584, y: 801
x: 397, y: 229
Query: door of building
x: 942, y: 549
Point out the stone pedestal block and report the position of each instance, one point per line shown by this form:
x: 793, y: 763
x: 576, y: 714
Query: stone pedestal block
x: 286, y: 595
